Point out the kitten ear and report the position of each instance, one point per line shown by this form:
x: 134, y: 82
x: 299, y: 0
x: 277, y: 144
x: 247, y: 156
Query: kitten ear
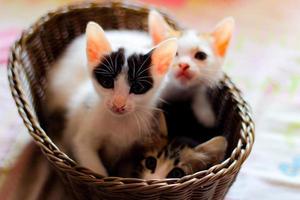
x: 214, y: 149
x: 162, y: 56
x: 96, y: 43
x: 222, y: 35
x: 158, y: 28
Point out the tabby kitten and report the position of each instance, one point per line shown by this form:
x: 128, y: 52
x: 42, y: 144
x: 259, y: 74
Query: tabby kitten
x: 182, y: 156
x: 109, y: 83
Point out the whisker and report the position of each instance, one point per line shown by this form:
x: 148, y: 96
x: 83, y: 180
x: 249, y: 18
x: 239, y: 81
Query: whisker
x: 112, y: 64
x: 143, y: 77
x: 144, y: 70
x: 141, y: 84
x: 102, y: 71
x: 110, y: 68
x: 146, y: 81
x: 162, y: 100
x: 104, y: 66
x: 144, y: 122
x: 143, y: 64
x: 133, y: 67
x: 152, y: 108
x: 116, y: 62
x: 137, y: 121
x: 147, y: 112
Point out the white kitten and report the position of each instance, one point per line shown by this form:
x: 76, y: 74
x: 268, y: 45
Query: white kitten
x: 198, y: 64
x: 110, y: 84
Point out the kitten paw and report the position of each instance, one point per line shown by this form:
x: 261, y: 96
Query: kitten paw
x: 206, y: 116
x: 208, y: 119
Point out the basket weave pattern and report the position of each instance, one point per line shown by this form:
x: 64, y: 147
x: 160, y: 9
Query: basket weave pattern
x: 43, y: 42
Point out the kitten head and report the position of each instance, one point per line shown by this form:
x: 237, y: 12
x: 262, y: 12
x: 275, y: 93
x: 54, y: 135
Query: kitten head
x: 126, y: 82
x: 182, y: 157
x: 200, y: 56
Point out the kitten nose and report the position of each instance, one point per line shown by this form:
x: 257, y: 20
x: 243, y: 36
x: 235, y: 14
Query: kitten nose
x: 119, y: 109
x: 119, y: 101
x: 184, y: 66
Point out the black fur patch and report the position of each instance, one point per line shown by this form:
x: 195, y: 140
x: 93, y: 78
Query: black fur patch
x: 182, y: 122
x: 139, y: 76
x: 109, y: 68
x: 176, y: 161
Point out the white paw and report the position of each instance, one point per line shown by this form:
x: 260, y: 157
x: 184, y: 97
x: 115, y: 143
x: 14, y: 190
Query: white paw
x: 87, y: 156
x: 206, y: 116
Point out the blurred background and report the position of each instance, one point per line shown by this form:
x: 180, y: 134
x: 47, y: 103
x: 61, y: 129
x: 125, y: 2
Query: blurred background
x: 263, y: 60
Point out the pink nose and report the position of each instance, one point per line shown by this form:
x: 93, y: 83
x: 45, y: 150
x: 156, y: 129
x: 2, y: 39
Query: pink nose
x: 118, y: 104
x: 118, y: 109
x: 183, y: 66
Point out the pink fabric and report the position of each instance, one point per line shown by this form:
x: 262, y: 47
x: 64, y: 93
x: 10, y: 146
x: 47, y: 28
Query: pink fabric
x: 7, y: 37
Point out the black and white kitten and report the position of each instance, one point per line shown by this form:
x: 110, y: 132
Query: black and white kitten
x: 197, y: 65
x: 109, y: 82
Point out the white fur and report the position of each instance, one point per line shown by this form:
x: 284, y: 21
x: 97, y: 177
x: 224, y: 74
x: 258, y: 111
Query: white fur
x: 201, y: 74
x: 206, y: 74
x: 90, y: 125
x: 68, y: 72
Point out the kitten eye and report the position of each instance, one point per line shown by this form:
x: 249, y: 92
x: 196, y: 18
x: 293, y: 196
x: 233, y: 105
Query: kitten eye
x: 200, y: 55
x: 176, y: 173
x: 150, y: 163
x: 138, y: 88
x: 106, y: 82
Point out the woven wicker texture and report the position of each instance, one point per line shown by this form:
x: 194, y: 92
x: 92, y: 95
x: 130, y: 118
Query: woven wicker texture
x: 43, y: 42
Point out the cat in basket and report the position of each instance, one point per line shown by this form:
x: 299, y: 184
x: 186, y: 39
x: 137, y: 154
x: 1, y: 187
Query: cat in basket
x: 111, y: 88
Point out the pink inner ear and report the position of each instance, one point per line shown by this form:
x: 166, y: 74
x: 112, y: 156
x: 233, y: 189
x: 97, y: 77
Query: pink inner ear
x: 221, y: 46
x: 222, y: 36
x: 158, y: 32
x: 93, y: 52
x: 158, y: 27
x: 163, y: 65
x: 96, y: 48
x: 163, y: 55
x: 157, y: 37
x: 97, y: 43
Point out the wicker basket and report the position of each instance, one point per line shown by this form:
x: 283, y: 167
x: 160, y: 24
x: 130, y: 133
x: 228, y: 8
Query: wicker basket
x: 40, y: 45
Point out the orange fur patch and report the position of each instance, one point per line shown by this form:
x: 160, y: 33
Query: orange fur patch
x: 92, y: 52
x: 221, y: 47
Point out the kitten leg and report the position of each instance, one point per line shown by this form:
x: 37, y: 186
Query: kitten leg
x: 203, y: 110
x: 86, y: 153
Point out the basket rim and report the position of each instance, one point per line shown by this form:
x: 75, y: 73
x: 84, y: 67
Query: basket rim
x: 229, y: 167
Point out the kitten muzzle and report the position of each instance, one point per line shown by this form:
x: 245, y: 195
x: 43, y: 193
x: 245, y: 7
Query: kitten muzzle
x: 119, y: 104
x: 184, y: 66
x: 184, y: 75
x: 118, y: 110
